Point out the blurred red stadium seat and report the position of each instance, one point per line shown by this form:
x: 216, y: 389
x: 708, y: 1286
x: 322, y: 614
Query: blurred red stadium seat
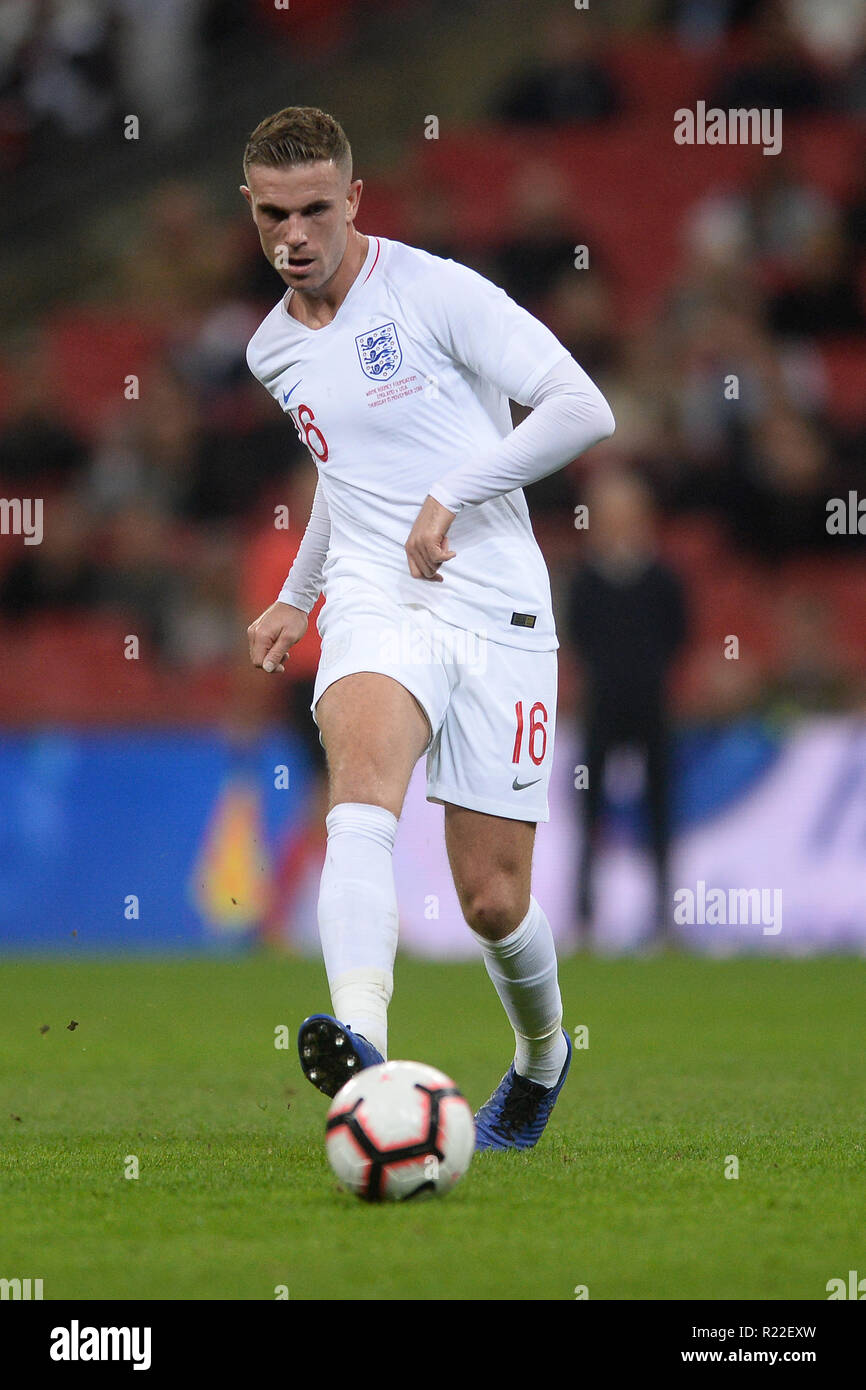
x: 693, y: 543
x: 839, y: 584
x: 75, y: 669
x: 71, y: 669
x: 655, y: 76
x: 731, y: 600
x: 382, y: 210
x: 844, y: 362
x: 91, y: 354
x: 627, y: 189
x: 311, y: 26
x: 828, y: 152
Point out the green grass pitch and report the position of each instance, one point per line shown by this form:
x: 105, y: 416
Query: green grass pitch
x: 688, y: 1062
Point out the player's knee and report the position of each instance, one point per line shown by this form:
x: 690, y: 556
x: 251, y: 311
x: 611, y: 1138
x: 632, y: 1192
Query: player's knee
x: 372, y: 782
x: 494, y: 905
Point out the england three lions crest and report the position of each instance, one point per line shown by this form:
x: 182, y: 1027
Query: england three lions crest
x: 380, y: 352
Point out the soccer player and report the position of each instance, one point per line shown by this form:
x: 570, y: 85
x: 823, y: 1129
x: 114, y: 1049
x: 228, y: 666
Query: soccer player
x: 396, y: 367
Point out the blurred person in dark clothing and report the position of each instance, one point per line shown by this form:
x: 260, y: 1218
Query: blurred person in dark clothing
x: 539, y: 247
x: 568, y: 83
x: 59, y: 575
x: 821, y: 299
x: 430, y: 216
x: 776, y: 74
x: 626, y: 620
x: 140, y: 578
x: 579, y: 310
x: 167, y: 272
x: 169, y: 457
x: 38, y: 450
x: 781, y: 482
x: 200, y: 629
x: 774, y: 220
x: 145, y: 458
x: 58, y: 69
x: 854, y: 84
x: 702, y: 23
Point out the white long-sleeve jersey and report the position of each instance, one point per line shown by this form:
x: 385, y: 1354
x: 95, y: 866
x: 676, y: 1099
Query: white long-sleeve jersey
x: 404, y: 395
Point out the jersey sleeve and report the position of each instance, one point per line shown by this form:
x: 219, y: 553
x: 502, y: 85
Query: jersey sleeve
x: 304, y: 582
x: 477, y: 323
x: 569, y: 415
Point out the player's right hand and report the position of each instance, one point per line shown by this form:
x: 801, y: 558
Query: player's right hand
x: 271, y: 635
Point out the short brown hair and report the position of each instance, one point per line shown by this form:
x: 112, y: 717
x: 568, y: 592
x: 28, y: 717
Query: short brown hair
x: 298, y: 135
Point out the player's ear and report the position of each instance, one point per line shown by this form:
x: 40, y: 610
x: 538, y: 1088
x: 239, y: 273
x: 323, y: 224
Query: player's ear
x: 247, y: 194
x: 356, y: 188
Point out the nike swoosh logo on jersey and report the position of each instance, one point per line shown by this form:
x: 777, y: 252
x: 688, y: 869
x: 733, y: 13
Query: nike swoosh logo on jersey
x: 518, y: 786
x: 286, y: 394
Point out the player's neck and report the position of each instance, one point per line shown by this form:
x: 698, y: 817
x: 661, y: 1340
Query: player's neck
x: 317, y: 310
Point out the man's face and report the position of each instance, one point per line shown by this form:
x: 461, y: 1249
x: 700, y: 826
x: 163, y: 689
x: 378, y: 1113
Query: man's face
x: 306, y: 209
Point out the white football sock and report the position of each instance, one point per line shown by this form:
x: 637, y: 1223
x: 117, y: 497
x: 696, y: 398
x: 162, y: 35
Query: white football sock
x: 522, y: 967
x: 358, y: 917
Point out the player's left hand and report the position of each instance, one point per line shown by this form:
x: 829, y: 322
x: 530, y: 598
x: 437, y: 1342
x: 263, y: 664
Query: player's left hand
x: 426, y: 547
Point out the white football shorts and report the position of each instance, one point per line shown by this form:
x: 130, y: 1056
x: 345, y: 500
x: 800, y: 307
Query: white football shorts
x: 491, y: 707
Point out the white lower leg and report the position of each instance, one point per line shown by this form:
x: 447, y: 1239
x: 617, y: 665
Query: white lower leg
x: 522, y: 967
x: 360, y: 999
x: 358, y: 922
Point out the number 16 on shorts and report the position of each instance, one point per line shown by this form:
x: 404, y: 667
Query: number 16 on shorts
x: 536, y: 734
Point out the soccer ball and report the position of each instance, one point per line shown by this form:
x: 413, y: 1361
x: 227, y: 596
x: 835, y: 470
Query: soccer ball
x: 397, y: 1130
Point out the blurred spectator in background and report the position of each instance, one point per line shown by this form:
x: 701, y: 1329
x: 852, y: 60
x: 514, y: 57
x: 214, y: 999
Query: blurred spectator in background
x: 182, y: 258
x: 430, y: 218
x: 774, y: 220
x: 139, y: 578
x: 726, y: 343
x: 854, y: 83
x: 700, y: 23
x: 58, y: 576
x: 568, y: 82
x: 626, y: 621
x: 731, y: 378
x: 37, y: 445
x: 784, y: 214
x: 163, y: 452
x: 203, y: 623
x: 780, y: 505
x: 822, y: 298
x: 58, y: 66
x: 775, y: 73
x: 829, y: 30
x: 71, y: 68
x: 539, y: 238
x: 146, y: 450
x: 579, y: 309
x: 160, y: 61
x: 832, y: 31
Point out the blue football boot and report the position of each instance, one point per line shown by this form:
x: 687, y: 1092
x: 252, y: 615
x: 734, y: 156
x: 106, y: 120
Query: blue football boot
x: 331, y: 1054
x: 515, y: 1115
